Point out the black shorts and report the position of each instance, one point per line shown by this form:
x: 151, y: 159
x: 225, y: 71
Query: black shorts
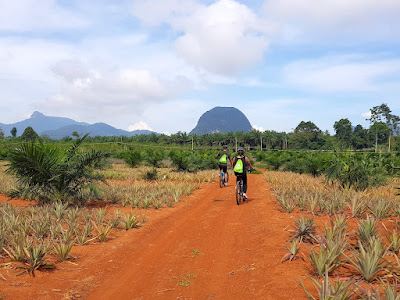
x: 223, y: 167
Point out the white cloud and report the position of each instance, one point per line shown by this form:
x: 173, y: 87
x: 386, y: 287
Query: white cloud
x: 224, y: 37
x: 366, y: 115
x: 355, y: 20
x: 141, y: 125
x: 258, y: 128
x: 344, y: 73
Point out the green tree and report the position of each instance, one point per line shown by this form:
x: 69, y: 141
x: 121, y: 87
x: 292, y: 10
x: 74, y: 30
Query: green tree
x: 361, y: 137
x: 381, y: 132
x: 76, y: 134
x: 1, y: 134
x: 29, y: 134
x: 13, y: 132
x: 382, y: 113
x: 306, y: 136
x: 343, y: 131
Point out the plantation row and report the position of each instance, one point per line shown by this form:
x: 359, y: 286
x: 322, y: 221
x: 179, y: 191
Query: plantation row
x: 28, y: 236
x: 350, y: 170
x: 355, y: 255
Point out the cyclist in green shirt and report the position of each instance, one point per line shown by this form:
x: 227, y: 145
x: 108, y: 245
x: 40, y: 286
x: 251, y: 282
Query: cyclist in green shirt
x: 240, y: 164
x: 223, y: 160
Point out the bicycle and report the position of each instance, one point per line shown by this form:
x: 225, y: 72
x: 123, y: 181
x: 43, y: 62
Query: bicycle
x: 239, y: 191
x: 223, y: 179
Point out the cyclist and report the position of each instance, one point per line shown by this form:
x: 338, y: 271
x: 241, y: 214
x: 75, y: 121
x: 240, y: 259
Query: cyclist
x: 240, y: 164
x: 223, y: 161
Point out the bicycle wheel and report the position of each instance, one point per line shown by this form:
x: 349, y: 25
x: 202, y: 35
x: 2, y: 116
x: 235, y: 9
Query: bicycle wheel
x: 226, y: 177
x: 221, y: 180
x: 239, y: 193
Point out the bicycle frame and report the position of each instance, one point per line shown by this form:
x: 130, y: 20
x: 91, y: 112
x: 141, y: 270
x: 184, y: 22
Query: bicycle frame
x: 239, y: 190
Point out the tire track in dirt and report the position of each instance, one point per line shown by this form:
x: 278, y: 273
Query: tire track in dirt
x: 226, y: 251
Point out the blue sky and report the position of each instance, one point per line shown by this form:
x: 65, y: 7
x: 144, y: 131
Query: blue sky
x: 160, y: 64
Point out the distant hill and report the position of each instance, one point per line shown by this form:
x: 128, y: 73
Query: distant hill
x: 59, y: 127
x: 97, y: 129
x: 223, y: 120
x: 39, y: 122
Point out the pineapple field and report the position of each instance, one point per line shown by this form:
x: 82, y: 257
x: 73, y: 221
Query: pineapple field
x: 148, y: 223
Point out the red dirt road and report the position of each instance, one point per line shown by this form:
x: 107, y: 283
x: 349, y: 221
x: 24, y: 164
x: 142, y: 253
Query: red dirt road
x: 207, y: 247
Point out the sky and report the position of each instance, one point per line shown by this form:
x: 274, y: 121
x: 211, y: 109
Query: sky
x: 160, y: 64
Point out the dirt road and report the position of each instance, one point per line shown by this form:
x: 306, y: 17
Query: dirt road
x: 207, y: 247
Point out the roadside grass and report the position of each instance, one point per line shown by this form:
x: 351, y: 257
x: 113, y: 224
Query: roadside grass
x: 122, y: 171
x: 7, y: 182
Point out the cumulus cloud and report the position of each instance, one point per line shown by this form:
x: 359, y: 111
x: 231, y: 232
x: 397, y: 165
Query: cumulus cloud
x: 258, y: 128
x: 356, y: 20
x: 141, y: 125
x: 224, y: 37
x: 344, y: 73
x: 117, y: 90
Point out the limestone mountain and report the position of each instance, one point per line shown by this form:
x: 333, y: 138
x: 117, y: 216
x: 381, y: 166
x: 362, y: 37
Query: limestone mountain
x: 223, y: 120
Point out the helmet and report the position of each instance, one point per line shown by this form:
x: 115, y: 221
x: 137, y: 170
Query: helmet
x: 240, y: 151
x: 225, y: 147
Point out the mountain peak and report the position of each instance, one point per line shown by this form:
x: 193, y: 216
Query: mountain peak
x: 37, y: 114
x: 222, y: 119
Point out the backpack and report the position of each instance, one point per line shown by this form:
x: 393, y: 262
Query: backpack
x: 223, y: 159
x: 238, y: 168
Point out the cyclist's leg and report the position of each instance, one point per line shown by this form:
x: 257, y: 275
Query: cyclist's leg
x: 237, y: 178
x: 224, y: 169
x: 244, y: 182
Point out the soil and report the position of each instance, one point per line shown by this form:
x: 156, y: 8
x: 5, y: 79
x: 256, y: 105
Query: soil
x: 205, y: 247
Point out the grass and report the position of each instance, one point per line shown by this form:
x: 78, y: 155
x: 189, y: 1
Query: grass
x: 7, y: 182
x: 121, y: 171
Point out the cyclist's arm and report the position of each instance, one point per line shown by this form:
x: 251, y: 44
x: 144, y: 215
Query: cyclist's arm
x: 234, y: 162
x: 248, y: 163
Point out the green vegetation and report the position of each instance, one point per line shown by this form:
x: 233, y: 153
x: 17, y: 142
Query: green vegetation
x: 358, y: 170
x: 349, y: 260
x: 47, y: 174
x: 36, y: 235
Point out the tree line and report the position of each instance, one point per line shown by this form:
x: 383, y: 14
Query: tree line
x: 382, y: 134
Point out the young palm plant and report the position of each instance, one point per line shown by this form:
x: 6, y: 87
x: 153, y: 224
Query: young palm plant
x: 46, y: 173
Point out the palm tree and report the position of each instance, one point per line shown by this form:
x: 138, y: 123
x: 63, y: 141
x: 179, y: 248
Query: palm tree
x: 46, y: 173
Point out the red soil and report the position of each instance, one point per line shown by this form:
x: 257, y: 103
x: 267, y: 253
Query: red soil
x: 226, y: 251
x: 15, y: 202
